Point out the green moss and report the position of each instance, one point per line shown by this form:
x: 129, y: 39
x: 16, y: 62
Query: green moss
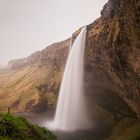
x: 103, y: 116
x: 12, y: 128
x: 126, y: 129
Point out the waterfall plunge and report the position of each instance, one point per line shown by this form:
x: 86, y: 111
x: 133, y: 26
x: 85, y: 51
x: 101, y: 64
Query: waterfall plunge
x: 70, y: 112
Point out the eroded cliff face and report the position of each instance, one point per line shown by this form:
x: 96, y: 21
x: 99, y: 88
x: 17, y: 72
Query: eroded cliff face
x: 113, y: 55
x: 34, y: 82
x: 112, y: 68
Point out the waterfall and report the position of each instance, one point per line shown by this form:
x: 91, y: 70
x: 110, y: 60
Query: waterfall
x: 71, y: 112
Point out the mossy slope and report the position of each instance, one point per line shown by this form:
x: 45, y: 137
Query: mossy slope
x: 12, y: 127
x: 126, y: 129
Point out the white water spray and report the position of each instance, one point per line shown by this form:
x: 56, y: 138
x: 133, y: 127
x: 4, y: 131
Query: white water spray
x: 71, y: 112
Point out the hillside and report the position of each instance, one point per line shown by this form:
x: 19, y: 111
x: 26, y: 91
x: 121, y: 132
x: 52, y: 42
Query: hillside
x: 12, y: 128
x: 24, y: 87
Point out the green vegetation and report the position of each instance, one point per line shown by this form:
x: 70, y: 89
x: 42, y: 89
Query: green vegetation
x: 16, y: 128
x: 126, y: 129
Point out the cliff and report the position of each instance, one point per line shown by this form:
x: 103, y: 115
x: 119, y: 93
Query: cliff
x: 33, y: 82
x: 113, y: 51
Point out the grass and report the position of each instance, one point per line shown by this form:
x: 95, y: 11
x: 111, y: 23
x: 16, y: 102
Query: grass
x: 22, y: 86
x: 12, y: 127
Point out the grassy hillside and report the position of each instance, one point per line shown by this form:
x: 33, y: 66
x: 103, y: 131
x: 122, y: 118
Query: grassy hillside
x: 33, y: 85
x: 14, y: 89
x: 12, y: 128
x: 26, y: 88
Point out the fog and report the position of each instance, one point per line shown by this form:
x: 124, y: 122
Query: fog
x: 30, y: 25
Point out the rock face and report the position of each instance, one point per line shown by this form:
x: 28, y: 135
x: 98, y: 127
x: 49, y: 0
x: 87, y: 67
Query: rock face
x: 113, y: 52
x: 33, y: 83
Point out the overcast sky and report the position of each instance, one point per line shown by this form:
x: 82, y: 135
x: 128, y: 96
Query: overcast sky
x: 30, y: 25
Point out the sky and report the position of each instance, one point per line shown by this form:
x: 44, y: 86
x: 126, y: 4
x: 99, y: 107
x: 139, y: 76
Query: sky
x: 27, y: 26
